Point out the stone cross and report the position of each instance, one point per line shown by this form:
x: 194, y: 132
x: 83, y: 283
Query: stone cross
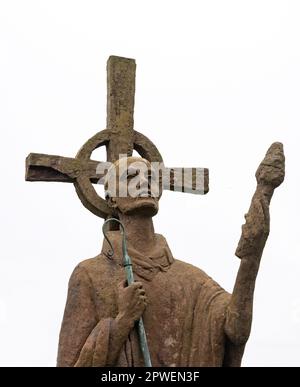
x: 119, y: 138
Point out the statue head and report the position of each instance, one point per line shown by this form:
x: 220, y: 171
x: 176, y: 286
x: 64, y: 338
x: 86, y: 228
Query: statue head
x: 132, y: 187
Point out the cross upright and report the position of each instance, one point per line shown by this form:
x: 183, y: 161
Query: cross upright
x: 119, y: 137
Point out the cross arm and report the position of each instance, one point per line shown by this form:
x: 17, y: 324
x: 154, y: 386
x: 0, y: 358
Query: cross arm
x: 187, y: 180
x: 42, y: 167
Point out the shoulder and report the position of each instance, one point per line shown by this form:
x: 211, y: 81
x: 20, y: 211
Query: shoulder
x: 180, y: 269
x: 192, y: 274
x: 88, y: 268
x: 189, y: 271
x: 89, y: 263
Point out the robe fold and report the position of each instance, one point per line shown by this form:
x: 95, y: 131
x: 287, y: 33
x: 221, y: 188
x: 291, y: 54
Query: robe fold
x: 184, y: 319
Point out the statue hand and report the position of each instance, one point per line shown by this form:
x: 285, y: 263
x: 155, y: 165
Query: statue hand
x: 271, y: 170
x: 269, y: 175
x: 132, y: 302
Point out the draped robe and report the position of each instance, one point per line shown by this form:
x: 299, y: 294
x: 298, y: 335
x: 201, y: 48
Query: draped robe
x: 184, y: 319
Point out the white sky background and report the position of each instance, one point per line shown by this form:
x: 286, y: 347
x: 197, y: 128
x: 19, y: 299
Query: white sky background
x: 217, y: 83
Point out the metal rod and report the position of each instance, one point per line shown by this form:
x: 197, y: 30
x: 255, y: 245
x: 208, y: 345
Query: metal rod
x: 130, y: 279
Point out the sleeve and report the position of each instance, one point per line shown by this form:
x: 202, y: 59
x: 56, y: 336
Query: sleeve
x: 209, y: 344
x: 80, y: 325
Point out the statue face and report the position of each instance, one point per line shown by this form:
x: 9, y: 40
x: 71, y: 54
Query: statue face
x: 132, y: 187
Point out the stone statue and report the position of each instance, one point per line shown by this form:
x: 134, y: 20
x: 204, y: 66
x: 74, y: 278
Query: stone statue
x: 189, y: 319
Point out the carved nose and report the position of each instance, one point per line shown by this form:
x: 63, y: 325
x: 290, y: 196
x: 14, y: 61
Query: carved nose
x: 143, y: 182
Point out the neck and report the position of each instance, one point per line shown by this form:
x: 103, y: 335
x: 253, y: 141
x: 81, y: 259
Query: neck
x: 139, y: 231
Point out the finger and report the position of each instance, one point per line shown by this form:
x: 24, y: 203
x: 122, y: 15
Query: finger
x: 137, y: 285
x: 143, y: 299
x: 122, y: 284
x: 145, y: 302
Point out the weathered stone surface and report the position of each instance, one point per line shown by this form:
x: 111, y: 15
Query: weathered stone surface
x: 120, y: 106
x: 41, y: 167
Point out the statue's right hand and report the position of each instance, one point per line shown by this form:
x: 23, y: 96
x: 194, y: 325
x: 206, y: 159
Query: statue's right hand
x: 132, y: 301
